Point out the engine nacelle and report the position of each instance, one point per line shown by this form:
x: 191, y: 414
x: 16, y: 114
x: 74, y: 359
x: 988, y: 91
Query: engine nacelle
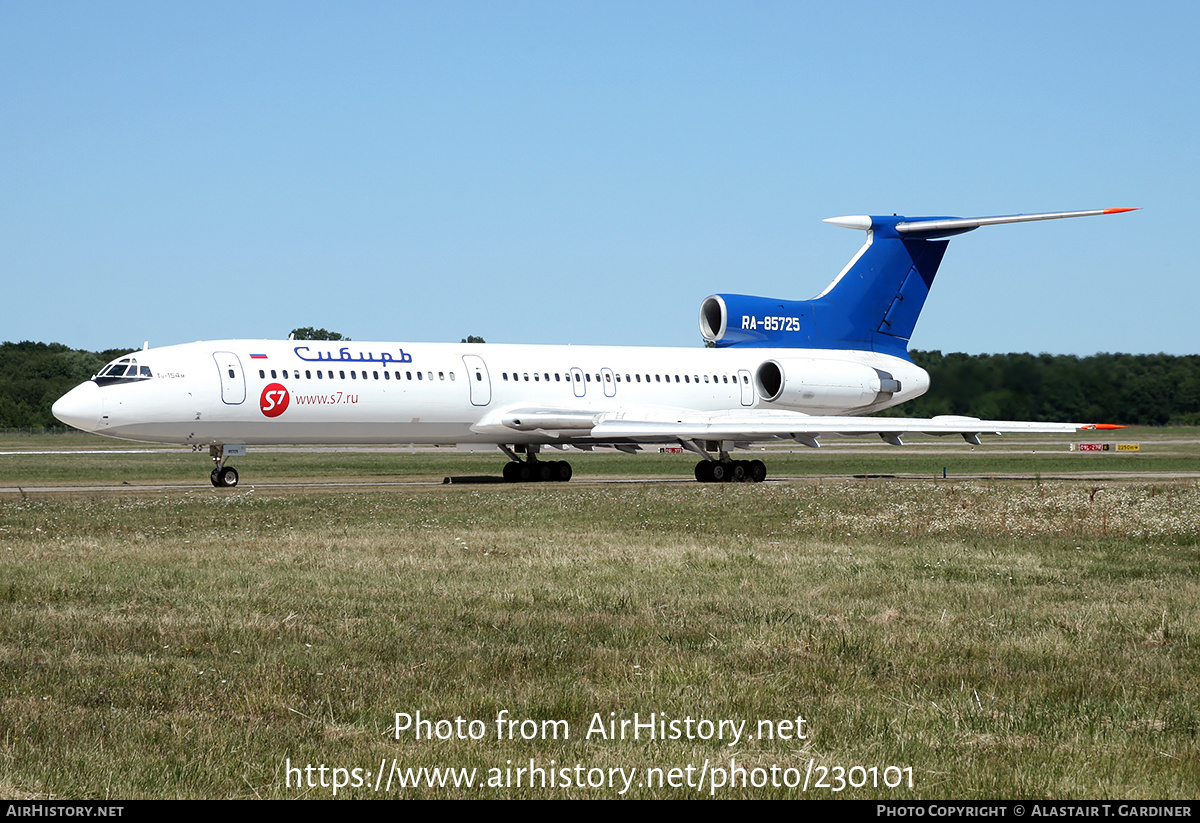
x: 820, y: 386
x: 733, y: 319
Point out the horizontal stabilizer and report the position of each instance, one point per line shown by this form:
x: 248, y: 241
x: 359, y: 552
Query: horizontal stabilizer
x: 959, y: 224
x: 935, y: 226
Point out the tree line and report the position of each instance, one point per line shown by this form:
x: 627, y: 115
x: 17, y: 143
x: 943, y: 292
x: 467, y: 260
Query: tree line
x: 34, y: 375
x: 1134, y: 389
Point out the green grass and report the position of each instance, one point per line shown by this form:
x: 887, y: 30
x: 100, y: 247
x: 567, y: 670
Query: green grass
x: 1163, y: 451
x: 1002, y: 639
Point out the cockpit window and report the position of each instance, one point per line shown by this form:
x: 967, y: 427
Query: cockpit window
x: 125, y: 370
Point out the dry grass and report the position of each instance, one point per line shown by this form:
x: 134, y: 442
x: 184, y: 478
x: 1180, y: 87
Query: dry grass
x: 1001, y: 639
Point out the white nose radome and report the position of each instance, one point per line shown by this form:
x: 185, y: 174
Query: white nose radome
x: 80, y: 407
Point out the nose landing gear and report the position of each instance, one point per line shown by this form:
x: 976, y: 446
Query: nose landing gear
x: 224, y: 477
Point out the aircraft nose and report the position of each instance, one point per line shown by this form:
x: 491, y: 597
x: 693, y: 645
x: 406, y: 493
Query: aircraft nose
x: 80, y: 407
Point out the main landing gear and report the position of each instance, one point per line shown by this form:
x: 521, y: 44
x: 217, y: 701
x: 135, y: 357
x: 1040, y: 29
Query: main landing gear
x: 223, y: 477
x: 723, y: 469
x: 731, y: 471
x: 532, y: 470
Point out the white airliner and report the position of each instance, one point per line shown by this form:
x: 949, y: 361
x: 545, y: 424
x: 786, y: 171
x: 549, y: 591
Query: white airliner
x: 778, y: 370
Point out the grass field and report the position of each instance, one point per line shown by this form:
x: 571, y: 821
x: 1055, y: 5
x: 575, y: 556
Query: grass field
x: 985, y: 638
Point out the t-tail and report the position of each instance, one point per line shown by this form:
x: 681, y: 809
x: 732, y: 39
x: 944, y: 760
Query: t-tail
x: 872, y: 305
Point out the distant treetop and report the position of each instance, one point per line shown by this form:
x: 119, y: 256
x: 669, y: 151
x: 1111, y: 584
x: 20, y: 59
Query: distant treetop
x: 470, y: 338
x: 309, y: 333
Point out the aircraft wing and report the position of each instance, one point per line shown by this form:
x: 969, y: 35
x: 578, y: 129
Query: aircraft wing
x: 663, y: 425
x: 806, y: 429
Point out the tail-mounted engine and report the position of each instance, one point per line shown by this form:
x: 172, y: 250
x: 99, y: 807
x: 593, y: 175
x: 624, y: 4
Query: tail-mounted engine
x: 808, y: 385
x: 740, y: 319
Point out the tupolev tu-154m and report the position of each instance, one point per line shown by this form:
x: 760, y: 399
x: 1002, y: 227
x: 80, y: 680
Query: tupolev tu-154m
x: 776, y: 370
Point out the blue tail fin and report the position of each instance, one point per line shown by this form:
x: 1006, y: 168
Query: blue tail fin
x: 872, y: 305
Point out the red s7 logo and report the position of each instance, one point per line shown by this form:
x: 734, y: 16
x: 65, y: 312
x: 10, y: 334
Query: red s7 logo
x: 274, y: 400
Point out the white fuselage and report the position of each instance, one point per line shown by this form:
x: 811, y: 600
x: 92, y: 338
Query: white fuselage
x: 294, y: 392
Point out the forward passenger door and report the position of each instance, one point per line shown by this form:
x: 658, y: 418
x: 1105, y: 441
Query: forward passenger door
x: 233, y: 380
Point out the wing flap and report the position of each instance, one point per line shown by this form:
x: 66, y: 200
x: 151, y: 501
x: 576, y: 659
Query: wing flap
x: 805, y: 428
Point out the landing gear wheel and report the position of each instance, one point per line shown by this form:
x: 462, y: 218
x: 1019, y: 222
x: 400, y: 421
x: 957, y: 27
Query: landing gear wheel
x: 215, y: 477
x: 537, y: 471
x: 731, y: 471
x: 227, y: 477
x: 757, y: 472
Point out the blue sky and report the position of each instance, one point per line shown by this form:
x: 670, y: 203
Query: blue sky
x: 588, y: 172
